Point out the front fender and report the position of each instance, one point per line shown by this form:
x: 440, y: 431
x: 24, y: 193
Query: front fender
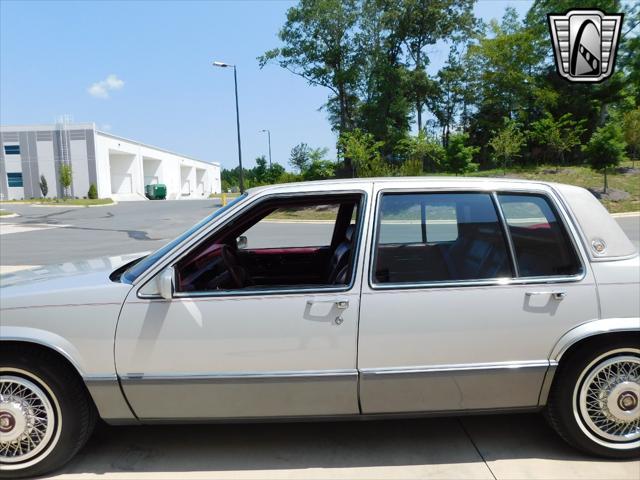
x: 104, y: 389
x: 46, y: 339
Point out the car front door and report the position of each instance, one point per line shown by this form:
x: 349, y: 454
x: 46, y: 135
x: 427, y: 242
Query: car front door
x: 275, y: 351
x: 468, y: 292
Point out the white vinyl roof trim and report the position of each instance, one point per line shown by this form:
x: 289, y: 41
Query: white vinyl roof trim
x: 604, y: 238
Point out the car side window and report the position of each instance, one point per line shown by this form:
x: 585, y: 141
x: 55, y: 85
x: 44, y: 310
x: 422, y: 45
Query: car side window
x: 282, y: 243
x: 434, y: 237
x: 541, y: 243
x: 294, y: 226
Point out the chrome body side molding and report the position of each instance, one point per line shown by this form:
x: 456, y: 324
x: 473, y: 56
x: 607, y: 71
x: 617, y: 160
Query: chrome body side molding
x: 245, y: 395
x: 452, y: 387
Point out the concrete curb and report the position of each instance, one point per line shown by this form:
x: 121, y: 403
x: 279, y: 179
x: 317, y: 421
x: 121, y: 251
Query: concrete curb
x: 56, y: 205
x: 625, y: 214
x: 42, y: 205
x: 7, y: 269
x: 13, y: 215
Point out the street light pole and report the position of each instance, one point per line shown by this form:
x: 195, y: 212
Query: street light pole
x: 269, y: 139
x: 235, y: 80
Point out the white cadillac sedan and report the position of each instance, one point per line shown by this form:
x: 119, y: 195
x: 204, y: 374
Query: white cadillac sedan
x: 336, y: 299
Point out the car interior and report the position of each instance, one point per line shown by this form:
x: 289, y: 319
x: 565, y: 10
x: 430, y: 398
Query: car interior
x: 227, y: 261
x: 542, y: 246
x: 476, y: 251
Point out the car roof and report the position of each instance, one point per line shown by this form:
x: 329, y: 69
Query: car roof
x: 431, y: 181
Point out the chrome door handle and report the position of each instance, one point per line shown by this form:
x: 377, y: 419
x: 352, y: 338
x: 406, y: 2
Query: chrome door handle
x: 555, y: 295
x: 340, y: 303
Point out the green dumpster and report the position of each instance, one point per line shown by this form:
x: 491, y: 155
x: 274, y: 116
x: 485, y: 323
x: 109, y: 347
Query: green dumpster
x: 157, y: 191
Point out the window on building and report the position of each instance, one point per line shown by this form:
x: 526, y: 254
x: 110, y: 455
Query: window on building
x: 430, y: 237
x: 14, y: 179
x: 12, y: 149
x: 542, y: 245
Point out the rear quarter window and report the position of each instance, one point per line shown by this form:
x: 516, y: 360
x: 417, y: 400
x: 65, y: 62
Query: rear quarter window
x: 541, y: 243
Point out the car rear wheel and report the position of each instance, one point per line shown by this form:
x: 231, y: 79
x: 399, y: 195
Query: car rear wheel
x: 45, y: 414
x: 595, y: 401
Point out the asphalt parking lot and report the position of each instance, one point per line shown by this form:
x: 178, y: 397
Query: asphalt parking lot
x: 484, y: 447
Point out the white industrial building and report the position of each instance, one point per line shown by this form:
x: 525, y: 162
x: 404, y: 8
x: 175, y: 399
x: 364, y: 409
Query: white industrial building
x: 120, y: 168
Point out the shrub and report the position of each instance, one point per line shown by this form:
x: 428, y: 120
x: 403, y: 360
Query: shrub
x: 66, y: 177
x: 44, y: 188
x: 93, y: 192
x: 605, y: 149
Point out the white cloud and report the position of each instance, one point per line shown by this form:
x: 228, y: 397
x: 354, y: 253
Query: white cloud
x: 102, y: 88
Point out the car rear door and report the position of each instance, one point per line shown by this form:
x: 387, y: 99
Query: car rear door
x: 466, y: 294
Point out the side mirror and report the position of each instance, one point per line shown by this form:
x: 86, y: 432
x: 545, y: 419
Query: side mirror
x: 242, y: 242
x: 165, y: 283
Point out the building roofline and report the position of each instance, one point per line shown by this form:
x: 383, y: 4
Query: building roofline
x: 141, y: 144
x: 92, y: 126
x: 46, y: 127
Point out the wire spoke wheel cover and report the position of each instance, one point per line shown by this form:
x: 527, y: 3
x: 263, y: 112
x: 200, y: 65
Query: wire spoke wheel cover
x: 30, y: 420
x: 607, y: 399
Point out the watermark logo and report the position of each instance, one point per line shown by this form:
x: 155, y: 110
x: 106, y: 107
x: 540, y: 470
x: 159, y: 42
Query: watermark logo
x: 585, y: 43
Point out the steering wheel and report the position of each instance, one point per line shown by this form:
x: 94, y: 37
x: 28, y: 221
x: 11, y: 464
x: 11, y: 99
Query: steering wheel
x: 230, y: 260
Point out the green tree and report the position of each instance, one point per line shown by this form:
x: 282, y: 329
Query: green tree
x: 383, y: 108
x: 459, y: 155
x: 423, y: 23
x: 508, y: 64
x: 65, y: 177
x: 507, y: 143
x: 365, y: 154
x: 260, y: 171
x: 422, y: 153
x: 44, y: 187
x: 275, y: 173
x: 559, y: 136
x: 318, y: 45
x: 606, y: 149
x: 631, y: 123
x: 93, y: 192
x: 629, y: 52
x: 452, y: 94
x: 300, y: 157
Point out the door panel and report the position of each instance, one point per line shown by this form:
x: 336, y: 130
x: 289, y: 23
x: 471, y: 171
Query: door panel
x: 463, y: 348
x: 464, y: 331
x: 243, y: 356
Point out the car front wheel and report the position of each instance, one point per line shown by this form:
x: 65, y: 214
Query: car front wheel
x: 595, y: 401
x: 45, y: 414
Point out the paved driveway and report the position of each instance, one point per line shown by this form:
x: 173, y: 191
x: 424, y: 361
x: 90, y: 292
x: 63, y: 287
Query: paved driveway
x: 485, y: 447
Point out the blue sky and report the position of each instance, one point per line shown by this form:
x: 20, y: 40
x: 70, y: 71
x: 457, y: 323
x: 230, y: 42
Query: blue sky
x: 142, y: 70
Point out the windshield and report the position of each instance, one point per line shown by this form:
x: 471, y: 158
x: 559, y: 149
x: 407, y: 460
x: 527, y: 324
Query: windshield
x: 135, y: 271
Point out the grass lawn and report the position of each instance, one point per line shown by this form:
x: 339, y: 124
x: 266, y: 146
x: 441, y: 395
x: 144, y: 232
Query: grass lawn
x: 4, y: 213
x: 306, y: 214
x: 230, y: 196
x: 59, y: 201
x: 583, y: 177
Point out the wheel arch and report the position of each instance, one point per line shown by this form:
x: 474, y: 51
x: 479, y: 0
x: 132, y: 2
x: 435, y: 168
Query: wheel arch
x: 104, y: 393
x: 588, y: 333
x: 592, y: 331
x: 40, y: 346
